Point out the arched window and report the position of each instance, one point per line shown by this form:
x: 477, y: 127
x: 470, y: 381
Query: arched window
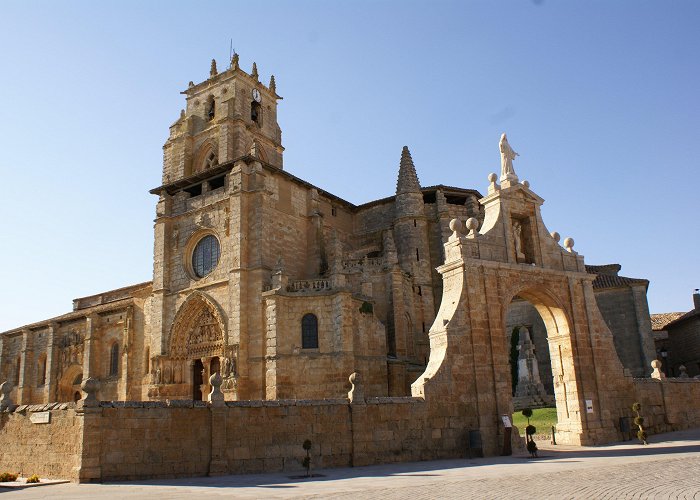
x: 147, y: 361
x: 41, y: 371
x: 114, y: 359
x: 256, y: 112
x: 309, y: 332
x: 211, y: 108
x: 210, y: 160
x: 19, y: 370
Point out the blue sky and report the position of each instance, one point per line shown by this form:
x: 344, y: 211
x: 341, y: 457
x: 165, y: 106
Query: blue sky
x: 600, y: 98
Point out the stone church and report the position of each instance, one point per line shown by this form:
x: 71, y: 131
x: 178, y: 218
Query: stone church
x: 281, y: 287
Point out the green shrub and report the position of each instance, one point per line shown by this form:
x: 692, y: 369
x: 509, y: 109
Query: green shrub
x: 6, y: 477
x: 638, y: 420
x: 366, y: 308
x: 530, y: 430
x: 636, y: 407
x: 307, y: 445
x: 527, y: 412
x: 642, y: 436
x: 33, y: 479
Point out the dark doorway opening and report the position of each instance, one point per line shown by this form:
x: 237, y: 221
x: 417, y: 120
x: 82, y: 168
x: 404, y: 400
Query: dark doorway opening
x: 197, y: 380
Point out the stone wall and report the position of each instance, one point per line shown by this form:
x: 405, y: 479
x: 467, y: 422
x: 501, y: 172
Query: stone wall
x: 49, y: 450
x: 669, y: 404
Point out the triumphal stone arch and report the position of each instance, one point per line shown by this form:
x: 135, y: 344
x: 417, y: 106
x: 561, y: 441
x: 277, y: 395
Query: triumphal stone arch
x: 512, y: 255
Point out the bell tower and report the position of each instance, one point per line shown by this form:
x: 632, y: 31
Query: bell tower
x: 227, y: 116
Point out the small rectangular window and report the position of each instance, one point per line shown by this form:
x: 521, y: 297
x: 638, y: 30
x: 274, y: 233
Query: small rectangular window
x: 217, y: 182
x: 417, y: 255
x: 193, y: 191
x: 334, y: 211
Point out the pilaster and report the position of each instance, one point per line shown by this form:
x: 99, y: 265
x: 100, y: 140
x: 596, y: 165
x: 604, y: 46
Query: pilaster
x: 89, y: 345
x: 51, y: 383
x: 24, y: 389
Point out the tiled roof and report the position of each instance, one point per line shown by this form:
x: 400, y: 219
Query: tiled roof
x: 659, y: 321
x: 610, y: 281
x: 688, y: 315
x: 606, y: 277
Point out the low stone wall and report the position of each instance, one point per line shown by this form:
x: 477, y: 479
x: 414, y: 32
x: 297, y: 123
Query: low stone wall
x: 669, y: 404
x: 138, y: 440
x: 158, y: 440
x: 50, y: 449
x: 153, y: 440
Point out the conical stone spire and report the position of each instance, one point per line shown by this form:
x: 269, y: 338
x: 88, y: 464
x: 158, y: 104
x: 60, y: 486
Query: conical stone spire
x: 212, y: 70
x: 273, y: 84
x: 254, y: 73
x: 408, y: 179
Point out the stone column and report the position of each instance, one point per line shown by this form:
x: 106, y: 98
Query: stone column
x: 51, y: 382
x: 123, y: 389
x: 24, y: 389
x: 90, y: 326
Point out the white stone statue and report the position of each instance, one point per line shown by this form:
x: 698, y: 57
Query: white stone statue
x: 507, y: 157
x: 518, y: 239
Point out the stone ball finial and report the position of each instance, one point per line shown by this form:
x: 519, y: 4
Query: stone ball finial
x: 456, y: 226
x: 556, y: 236
x: 492, y: 178
x: 216, y: 397
x: 356, y: 394
x: 526, y: 184
x: 472, y: 223
x: 569, y: 244
x: 655, y: 364
x: 216, y: 380
x: 5, y: 401
x: 90, y: 386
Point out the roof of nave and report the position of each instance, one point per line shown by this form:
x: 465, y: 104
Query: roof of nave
x: 173, y: 187
x: 111, y: 300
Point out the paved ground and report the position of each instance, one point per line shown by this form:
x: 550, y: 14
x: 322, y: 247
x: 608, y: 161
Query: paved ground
x: 667, y: 468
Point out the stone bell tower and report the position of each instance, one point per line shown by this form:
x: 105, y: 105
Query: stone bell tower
x: 227, y: 116
x: 214, y: 166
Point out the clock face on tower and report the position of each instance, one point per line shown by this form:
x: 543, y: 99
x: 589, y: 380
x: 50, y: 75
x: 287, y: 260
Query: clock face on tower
x: 256, y: 95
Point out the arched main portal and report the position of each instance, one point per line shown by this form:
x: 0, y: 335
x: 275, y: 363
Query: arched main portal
x: 69, y: 384
x: 196, y: 347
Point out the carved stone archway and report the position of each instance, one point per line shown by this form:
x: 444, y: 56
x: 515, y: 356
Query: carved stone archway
x: 199, y: 330
x: 468, y: 373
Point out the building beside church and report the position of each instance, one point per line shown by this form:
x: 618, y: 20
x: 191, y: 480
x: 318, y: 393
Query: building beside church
x: 278, y: 285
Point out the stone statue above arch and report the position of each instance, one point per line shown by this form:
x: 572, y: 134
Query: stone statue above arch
x: 507, y: 157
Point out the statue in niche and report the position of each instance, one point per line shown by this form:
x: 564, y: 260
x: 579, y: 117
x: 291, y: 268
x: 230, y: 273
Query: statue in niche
x: 518, y: 240
x: 225, y: 367
x: 507, y: 157
x: 167, y: 375
x: 178, y: 373
x: 159, y: 376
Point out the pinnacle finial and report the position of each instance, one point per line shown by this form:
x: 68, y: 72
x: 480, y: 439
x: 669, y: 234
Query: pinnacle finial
x: 254, y: 73
x: 234, y: 61
x: 213, y: 71
x: 408, y: 179
x: 273, y: 85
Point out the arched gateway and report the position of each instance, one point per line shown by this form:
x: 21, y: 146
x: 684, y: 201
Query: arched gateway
x: 513, y: 255
x: 196, y: 349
